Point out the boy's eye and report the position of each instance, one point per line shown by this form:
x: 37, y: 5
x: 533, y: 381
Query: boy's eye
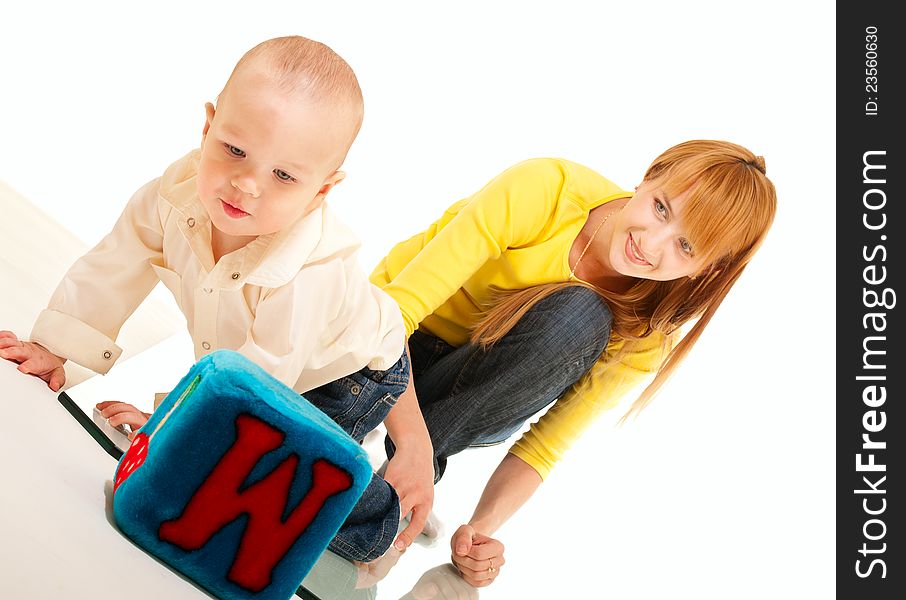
x: 283, y: 175
x: 660, y: 208
x: 235, y: 151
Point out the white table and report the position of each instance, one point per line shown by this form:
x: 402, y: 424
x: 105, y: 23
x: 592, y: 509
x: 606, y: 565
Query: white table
x: 58, y: 538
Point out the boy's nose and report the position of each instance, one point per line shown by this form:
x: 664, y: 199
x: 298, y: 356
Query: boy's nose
x: 245, y: 183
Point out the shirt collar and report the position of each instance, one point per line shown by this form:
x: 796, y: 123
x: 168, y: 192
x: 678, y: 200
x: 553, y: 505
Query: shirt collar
x: 271, y: 260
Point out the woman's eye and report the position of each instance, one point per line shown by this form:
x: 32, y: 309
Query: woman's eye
x: 660, y: 208
x: 686, y: 246
x: 283, y: 175
x: 235, y: 151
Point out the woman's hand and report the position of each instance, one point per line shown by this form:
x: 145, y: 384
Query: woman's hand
x: 120, y: 413
x: 477, y: 556
x: 411, y: 473
x: 34, y: 359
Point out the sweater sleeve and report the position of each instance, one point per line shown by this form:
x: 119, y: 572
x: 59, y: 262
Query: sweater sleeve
x: 600, y: 389
x: 104, y: 287
x: 509, y: 211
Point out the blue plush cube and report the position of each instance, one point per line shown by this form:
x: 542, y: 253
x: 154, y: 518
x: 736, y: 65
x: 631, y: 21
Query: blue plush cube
x: 237, y: 481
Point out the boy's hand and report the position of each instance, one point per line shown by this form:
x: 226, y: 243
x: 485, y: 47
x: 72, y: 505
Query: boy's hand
x: 411, y: 473
x: 120, y: 413
x: 33, y: 359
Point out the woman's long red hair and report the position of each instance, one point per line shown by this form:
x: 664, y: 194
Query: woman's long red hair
x: 728, y: 212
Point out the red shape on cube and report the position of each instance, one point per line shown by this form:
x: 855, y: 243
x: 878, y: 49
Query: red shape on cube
x: 135, y: 456
x: 218, y: 501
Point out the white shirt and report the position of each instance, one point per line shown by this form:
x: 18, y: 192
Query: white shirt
x: 295, y: 302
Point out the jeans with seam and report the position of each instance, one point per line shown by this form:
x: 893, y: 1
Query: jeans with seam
x: 473, y: 397
x: 358, y: 403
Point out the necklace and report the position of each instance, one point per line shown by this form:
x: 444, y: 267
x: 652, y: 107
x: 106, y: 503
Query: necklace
x: 572, y: 271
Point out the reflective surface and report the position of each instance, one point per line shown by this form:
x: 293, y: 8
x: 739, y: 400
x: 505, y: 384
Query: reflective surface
x: 55, y: 509
x: 333, y: 578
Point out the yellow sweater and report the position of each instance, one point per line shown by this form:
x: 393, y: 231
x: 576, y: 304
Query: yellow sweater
x: 514, y: 233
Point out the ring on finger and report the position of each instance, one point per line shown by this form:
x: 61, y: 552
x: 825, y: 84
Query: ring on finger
x: 491, y: 568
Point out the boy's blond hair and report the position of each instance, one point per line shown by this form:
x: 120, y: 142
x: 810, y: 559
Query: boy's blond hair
x: 302, y: 66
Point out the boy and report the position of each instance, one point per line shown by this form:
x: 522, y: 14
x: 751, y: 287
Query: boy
x: 239, y: 233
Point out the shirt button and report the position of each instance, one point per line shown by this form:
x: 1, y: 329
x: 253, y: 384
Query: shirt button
x: 235, y: 276
x: 206, y: 345
x: 107, y: 354
x: 190, y: 222
x: 208, y: 290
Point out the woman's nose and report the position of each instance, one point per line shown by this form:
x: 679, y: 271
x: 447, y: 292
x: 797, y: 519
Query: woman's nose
x: 660, y: 239
x: 654, y: 243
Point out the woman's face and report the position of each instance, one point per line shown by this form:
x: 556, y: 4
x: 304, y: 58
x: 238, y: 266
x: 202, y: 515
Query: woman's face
x: 649, y: 239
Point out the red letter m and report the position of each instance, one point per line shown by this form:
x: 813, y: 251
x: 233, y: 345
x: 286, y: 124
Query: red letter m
x: 219, y: 501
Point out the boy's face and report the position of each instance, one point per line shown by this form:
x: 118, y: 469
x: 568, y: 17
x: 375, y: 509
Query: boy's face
x: 268, y: 156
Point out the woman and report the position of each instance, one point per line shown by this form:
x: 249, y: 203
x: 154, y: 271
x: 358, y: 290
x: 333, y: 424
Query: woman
x: 553, y: 285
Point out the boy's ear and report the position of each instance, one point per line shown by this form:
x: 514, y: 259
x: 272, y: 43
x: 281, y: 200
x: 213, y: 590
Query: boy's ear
x: 208, y: 118
x: 329, y: 183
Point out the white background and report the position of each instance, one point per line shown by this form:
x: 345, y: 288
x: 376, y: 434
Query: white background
x: 724, y: 486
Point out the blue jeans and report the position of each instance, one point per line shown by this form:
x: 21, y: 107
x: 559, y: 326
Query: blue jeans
x: 358, y: 403
x: 472, y: 397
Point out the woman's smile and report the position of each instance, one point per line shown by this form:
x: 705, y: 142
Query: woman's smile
x: 634, y: 254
